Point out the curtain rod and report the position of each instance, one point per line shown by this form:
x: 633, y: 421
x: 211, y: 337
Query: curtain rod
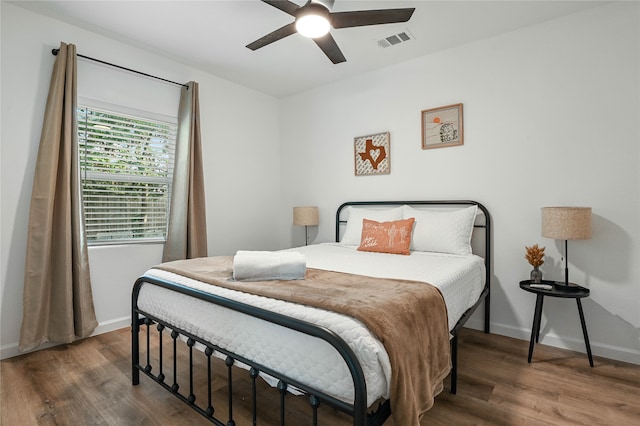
x: 55, y: 53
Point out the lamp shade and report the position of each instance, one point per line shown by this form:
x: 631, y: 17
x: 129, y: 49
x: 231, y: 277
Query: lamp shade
x: 305, y: 216
x: 566, y: 223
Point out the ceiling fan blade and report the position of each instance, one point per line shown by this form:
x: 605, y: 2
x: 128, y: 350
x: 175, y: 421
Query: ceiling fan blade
x: 330, y: 48
x: 284, y: 5
x: 360, y: 18
x: 276, y: 35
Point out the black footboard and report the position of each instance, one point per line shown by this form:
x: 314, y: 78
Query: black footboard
x: 358, y: 409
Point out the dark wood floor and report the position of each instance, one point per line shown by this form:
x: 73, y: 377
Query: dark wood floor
x: 88, y: 383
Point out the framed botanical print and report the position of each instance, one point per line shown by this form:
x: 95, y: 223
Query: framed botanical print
x: 442, y: 127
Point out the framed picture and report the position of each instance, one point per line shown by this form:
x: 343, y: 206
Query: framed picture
x: 372, y: 154
x: 442, y: 127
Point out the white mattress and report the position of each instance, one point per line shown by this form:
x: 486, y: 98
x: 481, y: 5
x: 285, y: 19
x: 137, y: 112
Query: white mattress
x: 307, y: 359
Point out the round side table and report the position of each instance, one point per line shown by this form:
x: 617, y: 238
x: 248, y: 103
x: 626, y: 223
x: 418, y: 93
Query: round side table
x: 573, y: 291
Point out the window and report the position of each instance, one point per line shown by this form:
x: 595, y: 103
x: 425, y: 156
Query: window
x: 126, y: 164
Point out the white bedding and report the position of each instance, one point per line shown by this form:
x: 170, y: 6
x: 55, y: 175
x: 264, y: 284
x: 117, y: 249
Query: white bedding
x: 310, y: 360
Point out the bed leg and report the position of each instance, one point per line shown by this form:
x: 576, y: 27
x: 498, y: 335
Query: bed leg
x: 454, y: 364
x: 135, y: 350
x: 378, y: 417
x: 487, y: 311
x: 135, y: 334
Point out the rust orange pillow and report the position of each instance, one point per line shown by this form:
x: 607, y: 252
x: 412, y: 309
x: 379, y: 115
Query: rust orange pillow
x: 387, y: 237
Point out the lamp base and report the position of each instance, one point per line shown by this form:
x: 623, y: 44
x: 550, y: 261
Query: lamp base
x: 563, y: 286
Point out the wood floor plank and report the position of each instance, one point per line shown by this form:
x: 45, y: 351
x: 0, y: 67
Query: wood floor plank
x: 88, y: 382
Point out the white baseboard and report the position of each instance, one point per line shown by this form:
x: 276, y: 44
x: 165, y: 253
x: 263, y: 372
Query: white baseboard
x: 111, y: 325
x: 11, y: 350
x: 574, y: 344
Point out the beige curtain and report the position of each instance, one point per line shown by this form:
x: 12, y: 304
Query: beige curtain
x: 57, y: 299
x: 187, y: 230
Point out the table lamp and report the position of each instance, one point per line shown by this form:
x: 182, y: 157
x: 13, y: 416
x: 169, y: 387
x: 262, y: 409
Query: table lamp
x: 305, y: 216
x: 566, y: 223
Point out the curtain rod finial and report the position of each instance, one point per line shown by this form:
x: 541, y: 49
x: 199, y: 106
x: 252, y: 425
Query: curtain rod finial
x: 54, y: 52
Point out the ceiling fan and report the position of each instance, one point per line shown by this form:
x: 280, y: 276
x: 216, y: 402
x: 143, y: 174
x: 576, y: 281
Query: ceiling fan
x: 315, y: 17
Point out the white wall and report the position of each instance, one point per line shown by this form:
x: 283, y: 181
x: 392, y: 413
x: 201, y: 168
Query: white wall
x: 240, y: 144
x: 551, y: 117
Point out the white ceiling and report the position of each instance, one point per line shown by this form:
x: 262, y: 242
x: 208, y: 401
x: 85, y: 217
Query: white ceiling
x: 212, y: 35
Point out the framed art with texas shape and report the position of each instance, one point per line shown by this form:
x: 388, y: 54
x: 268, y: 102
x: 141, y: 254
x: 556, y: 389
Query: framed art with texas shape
x: 442, y: 127
x: 372, y: 154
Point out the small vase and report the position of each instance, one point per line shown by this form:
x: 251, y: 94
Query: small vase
x: 536, y: 275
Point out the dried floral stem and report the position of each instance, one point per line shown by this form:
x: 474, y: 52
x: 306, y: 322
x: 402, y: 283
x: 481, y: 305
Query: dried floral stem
x: 535, y: 255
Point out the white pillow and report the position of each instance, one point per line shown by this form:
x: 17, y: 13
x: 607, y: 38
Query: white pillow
x: 442, y: 231
x: 353, y: 232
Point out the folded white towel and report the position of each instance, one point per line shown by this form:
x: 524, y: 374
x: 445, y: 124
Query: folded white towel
x: 268, y: 265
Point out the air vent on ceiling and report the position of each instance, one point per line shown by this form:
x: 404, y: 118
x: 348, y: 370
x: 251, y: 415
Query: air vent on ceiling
x: 395, y: 39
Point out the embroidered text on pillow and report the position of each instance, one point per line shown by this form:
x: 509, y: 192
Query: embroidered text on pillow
x: 387, y: 237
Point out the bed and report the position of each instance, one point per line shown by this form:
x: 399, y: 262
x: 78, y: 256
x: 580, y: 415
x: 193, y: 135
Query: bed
x: 331, y: 357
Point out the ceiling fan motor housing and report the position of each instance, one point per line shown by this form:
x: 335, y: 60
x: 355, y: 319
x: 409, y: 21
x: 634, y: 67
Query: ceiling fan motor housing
x: 326, y: 3
x: 317, y: 9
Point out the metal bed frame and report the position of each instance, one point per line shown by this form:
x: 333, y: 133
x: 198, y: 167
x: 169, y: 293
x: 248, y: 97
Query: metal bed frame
x: 358, y: 410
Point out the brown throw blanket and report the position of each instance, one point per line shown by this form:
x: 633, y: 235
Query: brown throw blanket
x: 408, y: 317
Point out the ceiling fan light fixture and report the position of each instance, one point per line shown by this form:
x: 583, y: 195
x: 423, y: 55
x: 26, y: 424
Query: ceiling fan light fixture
x: 313, y: 21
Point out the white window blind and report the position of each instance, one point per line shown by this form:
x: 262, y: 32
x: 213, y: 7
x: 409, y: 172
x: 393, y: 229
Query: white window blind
x: 127, y: 165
